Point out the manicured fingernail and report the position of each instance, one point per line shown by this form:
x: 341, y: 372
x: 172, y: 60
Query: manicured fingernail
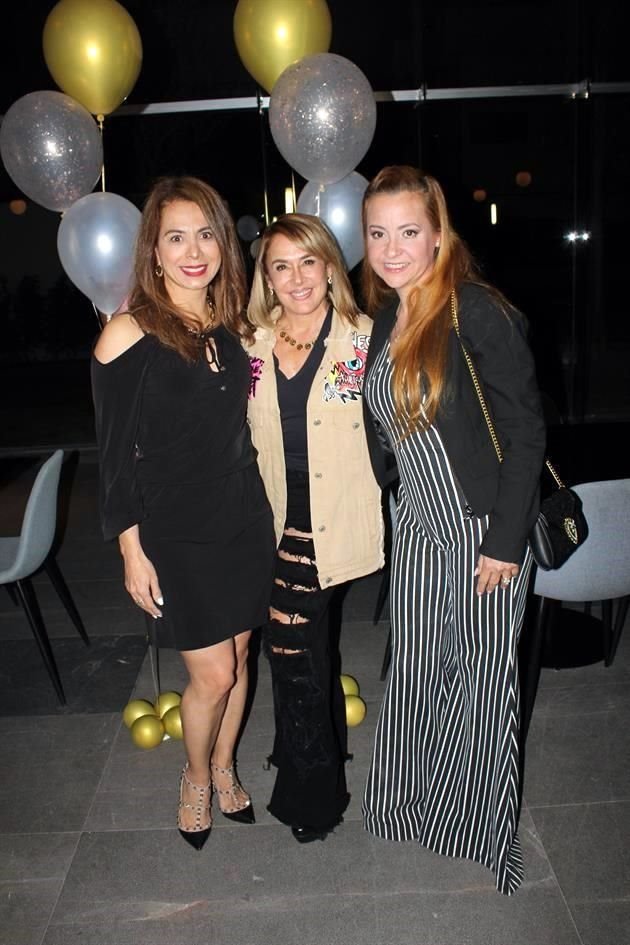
x: 160, y: 600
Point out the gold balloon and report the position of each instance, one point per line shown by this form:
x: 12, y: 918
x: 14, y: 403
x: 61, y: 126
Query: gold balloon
x: 166, y: 701
x: 349, y: 685
x: 172, y: 721
x: 355, y: 710
x: 93, y: 51
x: 147, y: 731
x: 272, y: 34
x: 134, y: 709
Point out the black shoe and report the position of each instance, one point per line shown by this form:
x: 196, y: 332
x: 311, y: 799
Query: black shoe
x: 239, y: 804
x: 308, y: 834
x: 201, y: 831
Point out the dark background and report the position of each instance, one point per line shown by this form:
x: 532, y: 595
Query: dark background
x: 574, y: 146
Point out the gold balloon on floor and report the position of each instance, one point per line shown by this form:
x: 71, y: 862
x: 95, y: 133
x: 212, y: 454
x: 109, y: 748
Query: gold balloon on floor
x: 272, y: 34
x: 136, y: 708
x: 349, y: 685
x: 166, y: 701
x: 147, y: 731
x: 172, y: 722
x: 93, y: 51
x: 355, y: 710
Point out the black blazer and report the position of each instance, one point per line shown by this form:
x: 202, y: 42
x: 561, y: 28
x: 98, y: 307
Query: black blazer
x: 509, y: 491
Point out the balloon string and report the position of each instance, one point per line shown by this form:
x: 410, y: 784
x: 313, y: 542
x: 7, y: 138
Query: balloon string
x: 101, y: 121
x: 264, y: 155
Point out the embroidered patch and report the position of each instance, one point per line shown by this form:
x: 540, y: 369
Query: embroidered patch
x: 344, y: 381
x: 255, y: 374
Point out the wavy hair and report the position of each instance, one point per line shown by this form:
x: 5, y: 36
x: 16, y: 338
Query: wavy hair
x: 149, y: 302
x: 313, y: 237
x: 419, y: 357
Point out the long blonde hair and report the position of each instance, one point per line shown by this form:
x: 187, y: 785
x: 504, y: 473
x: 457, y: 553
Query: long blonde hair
x: 312, y: 236
x: 150, y: 303
x: 419, y: 358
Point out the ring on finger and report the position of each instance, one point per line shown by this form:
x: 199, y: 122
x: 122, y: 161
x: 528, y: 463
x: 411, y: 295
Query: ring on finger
x: 505, y: 581
x: 138, y: 600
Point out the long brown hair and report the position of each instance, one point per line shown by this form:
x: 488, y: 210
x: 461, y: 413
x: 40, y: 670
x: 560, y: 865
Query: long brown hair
x: 313, y: 237
x: 150, y: 303
x: 419, y: 357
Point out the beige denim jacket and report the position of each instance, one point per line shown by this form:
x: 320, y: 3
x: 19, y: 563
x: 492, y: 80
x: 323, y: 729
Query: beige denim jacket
x: 345, y: 498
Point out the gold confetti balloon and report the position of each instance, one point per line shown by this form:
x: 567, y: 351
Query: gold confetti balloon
x: 349, y: 685
x: 166, y: 701
x: 147, y: 731
x: 134, y: 709
x: 355, y: 710
x: 172, y: 721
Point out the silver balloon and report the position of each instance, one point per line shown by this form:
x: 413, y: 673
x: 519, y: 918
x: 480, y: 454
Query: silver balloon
x: 96, y: 241
x: 339, y: 206
x: 51, y: 148
x: 322, y: 116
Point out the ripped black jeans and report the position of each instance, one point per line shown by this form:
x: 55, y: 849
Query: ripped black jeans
x: 309, y: 746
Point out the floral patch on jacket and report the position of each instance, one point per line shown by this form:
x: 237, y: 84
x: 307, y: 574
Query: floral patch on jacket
x: 255, y: 374
x: 344, y: 381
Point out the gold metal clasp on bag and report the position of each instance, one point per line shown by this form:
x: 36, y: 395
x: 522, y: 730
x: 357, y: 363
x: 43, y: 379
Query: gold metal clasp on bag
x: 571, y: 530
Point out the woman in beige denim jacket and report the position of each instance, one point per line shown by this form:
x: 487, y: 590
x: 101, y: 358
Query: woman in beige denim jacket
x: 305, y: 412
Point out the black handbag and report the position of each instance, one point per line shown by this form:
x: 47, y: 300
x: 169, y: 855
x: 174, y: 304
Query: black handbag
x: 561, y: 526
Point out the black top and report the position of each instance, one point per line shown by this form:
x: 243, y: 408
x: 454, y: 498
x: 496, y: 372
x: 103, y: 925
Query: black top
x: 292, y: 399
x: 169, y: 433
x: 497, y: 344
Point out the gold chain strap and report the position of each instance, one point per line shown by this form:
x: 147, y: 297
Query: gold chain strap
x: 482, y: 399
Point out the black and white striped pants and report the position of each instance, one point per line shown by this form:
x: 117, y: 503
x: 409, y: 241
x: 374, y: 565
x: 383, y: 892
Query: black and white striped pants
x: 445, y: 763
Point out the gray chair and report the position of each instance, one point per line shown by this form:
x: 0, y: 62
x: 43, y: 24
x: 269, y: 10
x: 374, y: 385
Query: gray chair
x: 599, y: 571
x: 22, y: 556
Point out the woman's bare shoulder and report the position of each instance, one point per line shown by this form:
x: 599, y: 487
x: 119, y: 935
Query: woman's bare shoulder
x: 118, y: 335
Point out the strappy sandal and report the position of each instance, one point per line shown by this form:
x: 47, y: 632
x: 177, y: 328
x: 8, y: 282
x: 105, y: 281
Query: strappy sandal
x: 239, y: 804
x: 196, y: 835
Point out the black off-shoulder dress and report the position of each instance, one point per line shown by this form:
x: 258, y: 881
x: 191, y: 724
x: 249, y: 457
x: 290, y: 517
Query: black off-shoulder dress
x: 177, y: 459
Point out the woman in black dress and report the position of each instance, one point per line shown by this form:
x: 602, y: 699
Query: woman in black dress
x: 180, y: 486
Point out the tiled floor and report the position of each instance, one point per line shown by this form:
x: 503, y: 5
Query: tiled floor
x: 89, y: 852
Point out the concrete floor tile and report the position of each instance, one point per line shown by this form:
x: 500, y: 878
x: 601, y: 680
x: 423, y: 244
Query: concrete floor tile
x: 603, y: 923
x: 61, y: 759
x: 578, y: 758
x: 309, y: 920
x: 25, y: 909
x: 31, y: 857
x: 588, y: 845
x: 582, y: 700
x: 131, y: 868
x: 96, y: 678
x: 478, y: 916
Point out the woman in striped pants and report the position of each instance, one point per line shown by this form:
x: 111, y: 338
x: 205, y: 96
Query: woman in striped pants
x: 445, y: 764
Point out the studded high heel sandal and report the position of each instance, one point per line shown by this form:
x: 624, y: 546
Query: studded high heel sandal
x: 196, y: 835
x: 238, y: 804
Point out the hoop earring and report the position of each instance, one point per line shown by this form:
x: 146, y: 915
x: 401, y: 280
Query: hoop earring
x: 158, y: 271
x: 329, y: 280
